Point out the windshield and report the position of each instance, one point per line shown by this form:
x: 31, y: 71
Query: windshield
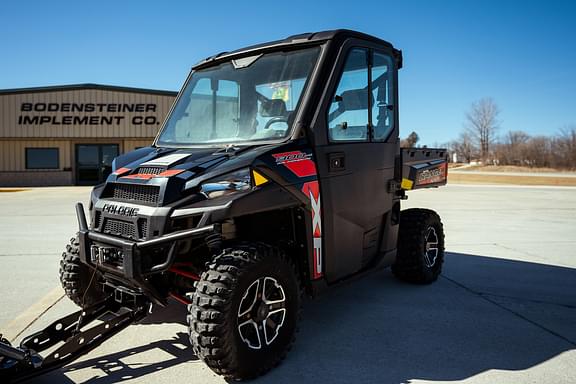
x: 249, y: 99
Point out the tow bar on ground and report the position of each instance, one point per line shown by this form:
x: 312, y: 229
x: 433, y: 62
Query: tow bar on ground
x: 23, y: 362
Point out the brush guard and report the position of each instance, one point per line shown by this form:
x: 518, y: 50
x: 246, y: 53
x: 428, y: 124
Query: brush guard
x: 24, y: 362
x: 131, y: 270
x: 115, y: 313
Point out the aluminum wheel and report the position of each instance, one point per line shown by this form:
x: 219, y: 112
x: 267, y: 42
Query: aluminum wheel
x: 261, y: 312
x: 431, y: 247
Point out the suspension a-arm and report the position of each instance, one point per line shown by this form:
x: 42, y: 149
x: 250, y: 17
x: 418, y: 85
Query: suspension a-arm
x: 66, y: 339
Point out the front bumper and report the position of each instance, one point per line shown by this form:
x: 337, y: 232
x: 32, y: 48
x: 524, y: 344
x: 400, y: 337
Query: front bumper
x: 131, y: 268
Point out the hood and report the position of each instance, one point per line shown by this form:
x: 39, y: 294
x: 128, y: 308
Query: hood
x: 158, y: 176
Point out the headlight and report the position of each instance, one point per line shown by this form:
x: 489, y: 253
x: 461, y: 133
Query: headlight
x: 226, y: 184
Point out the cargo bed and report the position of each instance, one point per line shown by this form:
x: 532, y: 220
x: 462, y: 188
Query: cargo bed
x: 423, y: 167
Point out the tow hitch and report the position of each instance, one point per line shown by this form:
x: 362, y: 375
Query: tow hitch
x: 68, y: 338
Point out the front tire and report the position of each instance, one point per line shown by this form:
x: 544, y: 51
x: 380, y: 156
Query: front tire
x: 245, y: 310
x: 420, y: 247
x: 80, y: 282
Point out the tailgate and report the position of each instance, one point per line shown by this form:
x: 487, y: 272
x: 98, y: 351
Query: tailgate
x: 423, y: 167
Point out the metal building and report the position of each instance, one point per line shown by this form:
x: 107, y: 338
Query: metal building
x: 68, y: 135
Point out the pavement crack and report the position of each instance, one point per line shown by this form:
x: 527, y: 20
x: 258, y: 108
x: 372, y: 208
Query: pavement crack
x: 568, y: 306
x: 38, y: 316
x: 491, y: 301
x: 543, y: 260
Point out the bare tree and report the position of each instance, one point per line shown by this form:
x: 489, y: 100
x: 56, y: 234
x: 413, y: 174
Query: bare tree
x: 539, y: 151
x: 566, y: 147
x: 514, y: 148
x: 517, y: 138
x: 519, y: 148
x: 482, y: 124
x: 410, y: 141
x: 463, y: 147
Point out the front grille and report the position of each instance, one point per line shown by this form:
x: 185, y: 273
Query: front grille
x: 151, y: 170
x: 144, y: 194
x: 143, y: 228
x: 97, y: 219
x: 120, y: 228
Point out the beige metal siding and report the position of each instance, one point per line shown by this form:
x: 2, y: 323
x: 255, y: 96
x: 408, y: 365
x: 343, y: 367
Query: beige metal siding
x: 104, y: 121
x: 13, y: 158
x: 130, y: 145
x: 104, y: 118
x: 13, y: 152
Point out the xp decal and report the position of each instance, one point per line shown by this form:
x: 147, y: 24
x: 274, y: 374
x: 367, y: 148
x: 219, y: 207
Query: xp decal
x: 311, y: 190
x: 301, y: 164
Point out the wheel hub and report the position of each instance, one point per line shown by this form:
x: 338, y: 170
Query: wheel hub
x: 261, y: 312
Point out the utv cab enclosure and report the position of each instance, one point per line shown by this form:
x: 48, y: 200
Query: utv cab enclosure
x: 278, y: 172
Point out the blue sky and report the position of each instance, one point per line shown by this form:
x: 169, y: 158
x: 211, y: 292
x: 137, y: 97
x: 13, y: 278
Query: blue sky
x: 520, y: 53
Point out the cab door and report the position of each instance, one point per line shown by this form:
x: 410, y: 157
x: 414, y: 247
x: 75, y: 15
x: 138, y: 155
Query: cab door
x: 356, y: 160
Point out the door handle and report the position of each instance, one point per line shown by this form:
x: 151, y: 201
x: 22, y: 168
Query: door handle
x: 336, y: 161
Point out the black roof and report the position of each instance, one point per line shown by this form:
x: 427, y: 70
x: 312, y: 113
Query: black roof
x: 72, y: 87
x: 303, y: 38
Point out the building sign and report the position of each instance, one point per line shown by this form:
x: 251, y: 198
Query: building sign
x: 87, y: 114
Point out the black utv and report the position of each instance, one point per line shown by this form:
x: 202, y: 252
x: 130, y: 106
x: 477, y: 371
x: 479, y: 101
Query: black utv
x: 277, y: 173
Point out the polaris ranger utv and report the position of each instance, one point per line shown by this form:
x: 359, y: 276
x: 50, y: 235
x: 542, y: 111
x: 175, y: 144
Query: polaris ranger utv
x: 278, y: 172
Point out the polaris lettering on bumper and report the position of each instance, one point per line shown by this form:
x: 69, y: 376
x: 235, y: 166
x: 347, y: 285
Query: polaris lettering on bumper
x: 121, y: 210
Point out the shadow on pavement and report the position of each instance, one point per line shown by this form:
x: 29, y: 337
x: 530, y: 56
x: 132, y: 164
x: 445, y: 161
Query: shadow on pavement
x: 174, y: 312
x: 484, y: 313
x: 130, y: 363
x: 116, y: 370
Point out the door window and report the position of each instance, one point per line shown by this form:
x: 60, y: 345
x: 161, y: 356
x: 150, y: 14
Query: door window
x: 382, y: 108
x: 362, y: 101
x: 348, y: 113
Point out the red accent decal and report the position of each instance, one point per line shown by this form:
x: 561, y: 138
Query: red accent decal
x: 302, y: 168
x: 184, y: 273
x: 300, y: 163
x: 170, y: 172
x: 121, y: 171
x: 180, y: 299
x: 148, y: 176
x: 142, y: 176
x: 281, y: 157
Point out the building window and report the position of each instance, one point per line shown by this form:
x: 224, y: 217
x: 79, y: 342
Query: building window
x: 42, y: 158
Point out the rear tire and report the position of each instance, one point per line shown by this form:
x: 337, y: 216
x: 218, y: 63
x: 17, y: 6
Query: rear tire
x: 245, y: 310
x: 80, y: 282
x: 420, y: 247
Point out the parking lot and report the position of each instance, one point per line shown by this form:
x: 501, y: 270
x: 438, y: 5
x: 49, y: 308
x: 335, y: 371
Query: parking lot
x: 503, y: 311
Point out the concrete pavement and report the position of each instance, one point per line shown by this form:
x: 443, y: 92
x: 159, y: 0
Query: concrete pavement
x: 503, y: 311
x: 462, y: 170
x: 35, y: 226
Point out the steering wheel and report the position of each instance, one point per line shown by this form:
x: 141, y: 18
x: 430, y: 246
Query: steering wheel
x: 274, y: 120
